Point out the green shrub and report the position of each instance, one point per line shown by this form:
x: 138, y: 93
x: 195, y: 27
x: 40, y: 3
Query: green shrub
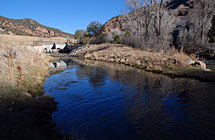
x: 116, y: 39
x: 87, y: 40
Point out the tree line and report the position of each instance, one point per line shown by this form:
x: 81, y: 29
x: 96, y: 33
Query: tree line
x: 153, y: 24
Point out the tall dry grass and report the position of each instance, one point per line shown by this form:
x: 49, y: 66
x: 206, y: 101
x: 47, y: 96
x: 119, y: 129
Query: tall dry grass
x: 147, y: 59
x: 22, y: 68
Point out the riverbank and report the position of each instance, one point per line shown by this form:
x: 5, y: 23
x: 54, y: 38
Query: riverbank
x: 24, y: 113
x: 107, y: 97
x: 172, y: 63
x: 27, y: 118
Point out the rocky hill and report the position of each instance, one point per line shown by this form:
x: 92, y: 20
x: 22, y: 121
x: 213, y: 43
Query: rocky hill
x: 181, y: 7
x: 28, y: 27
x: 117, y: 22
x: 182, y: 23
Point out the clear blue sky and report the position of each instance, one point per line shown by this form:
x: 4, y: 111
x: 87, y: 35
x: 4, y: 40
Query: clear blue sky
x: 67, y: 15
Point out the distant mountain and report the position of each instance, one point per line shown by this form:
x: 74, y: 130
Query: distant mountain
x: 28, y: 27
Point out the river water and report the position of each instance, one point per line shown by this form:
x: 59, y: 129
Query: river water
x: 101, y: 101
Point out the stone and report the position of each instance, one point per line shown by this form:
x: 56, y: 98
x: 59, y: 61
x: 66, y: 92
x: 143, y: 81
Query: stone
x: 122, y: 61
x: 208, y: 70
x: 190, y: 61
x: 138, y: 62
x: 27, y: 94
x: 51, y: 66
x: 88, y: 55
x: 202, y: 65
x: 164, y: 59
x: 111, y: 60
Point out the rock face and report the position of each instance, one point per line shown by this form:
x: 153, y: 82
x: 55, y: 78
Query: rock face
x: 180, y: 32
x: 181, y: 7
x: 116, y: 23
x: 29, y: 27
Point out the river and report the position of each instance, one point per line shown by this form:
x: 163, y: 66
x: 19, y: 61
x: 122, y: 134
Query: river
x: 102, y: 101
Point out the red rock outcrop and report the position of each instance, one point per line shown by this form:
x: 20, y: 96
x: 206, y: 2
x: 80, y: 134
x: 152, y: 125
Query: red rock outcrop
x: 181, y: 7
x: 115, y: 23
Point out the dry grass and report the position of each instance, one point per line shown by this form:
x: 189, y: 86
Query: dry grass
x: 28, y: 40
x: 136, y: 57
x: 22, y: 69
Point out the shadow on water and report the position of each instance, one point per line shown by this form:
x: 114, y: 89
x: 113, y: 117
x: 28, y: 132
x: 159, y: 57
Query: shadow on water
x: 27, y: 118
x: 104, y: 101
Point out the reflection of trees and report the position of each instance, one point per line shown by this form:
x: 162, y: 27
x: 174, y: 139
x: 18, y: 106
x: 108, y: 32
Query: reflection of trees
x: 83, y: 72
x: 160, y: 103
x: 157, y: 104
x: 96, y: 76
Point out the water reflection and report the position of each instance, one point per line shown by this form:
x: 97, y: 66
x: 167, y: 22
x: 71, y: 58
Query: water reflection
x: 131, y: 104
x: 95, y: 75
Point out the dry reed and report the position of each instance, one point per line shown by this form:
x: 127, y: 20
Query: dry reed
x: 22, y: 69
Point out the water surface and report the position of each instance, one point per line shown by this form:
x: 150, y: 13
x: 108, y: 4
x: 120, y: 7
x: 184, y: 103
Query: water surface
x: 101, y: 101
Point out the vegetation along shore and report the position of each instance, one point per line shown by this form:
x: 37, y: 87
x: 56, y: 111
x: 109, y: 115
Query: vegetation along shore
x: 170, y: 37
x: 24, y: 113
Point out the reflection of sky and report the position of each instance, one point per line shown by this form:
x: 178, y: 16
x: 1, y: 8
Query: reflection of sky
x: 87, y: 103
x: 108, y: 103
x: 176, y: 107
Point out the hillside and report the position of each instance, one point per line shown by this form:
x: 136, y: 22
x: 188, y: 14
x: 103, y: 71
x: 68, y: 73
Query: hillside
x: 180, y: 7
x: 28, y: 27
x: 182, y: 23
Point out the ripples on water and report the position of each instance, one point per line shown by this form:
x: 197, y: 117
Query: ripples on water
x: 101, y: 101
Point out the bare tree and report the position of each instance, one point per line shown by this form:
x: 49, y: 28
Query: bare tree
x: 152, y: 24
x: 158, y: 10
x: 146, y: 19
x: 201, y: 16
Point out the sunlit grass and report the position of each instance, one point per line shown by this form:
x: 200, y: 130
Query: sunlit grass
x: 22, y: 68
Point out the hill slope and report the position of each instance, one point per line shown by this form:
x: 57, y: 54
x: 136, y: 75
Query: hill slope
x: 181, y: 7
x: 28, y: 27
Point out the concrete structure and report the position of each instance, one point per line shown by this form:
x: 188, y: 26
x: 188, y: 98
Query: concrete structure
x: 54, y: 47
x: 60, y: 46
x: 58, y: 65
x: 36, y: 43
x: 48, y: 48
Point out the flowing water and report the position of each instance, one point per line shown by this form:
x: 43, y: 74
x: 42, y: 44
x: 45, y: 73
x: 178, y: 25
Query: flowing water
x: 101, y: 101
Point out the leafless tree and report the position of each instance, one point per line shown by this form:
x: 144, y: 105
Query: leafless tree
x: 152, y: 23
x: 201, y: 16
x: 146, y: 20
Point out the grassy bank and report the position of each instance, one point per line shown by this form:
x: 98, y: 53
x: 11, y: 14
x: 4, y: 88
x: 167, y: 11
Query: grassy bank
x: 173, y: 63
x: 22, y: 69
x: 23, y: 114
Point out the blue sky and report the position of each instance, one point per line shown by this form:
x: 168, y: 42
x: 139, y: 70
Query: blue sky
x: 67, y: 15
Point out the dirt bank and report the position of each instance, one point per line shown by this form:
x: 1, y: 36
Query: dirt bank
x: 172, y: 63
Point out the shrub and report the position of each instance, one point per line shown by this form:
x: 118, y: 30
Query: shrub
x: 86, y: 40
x: 99, y: 39
x: 116, y: 39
